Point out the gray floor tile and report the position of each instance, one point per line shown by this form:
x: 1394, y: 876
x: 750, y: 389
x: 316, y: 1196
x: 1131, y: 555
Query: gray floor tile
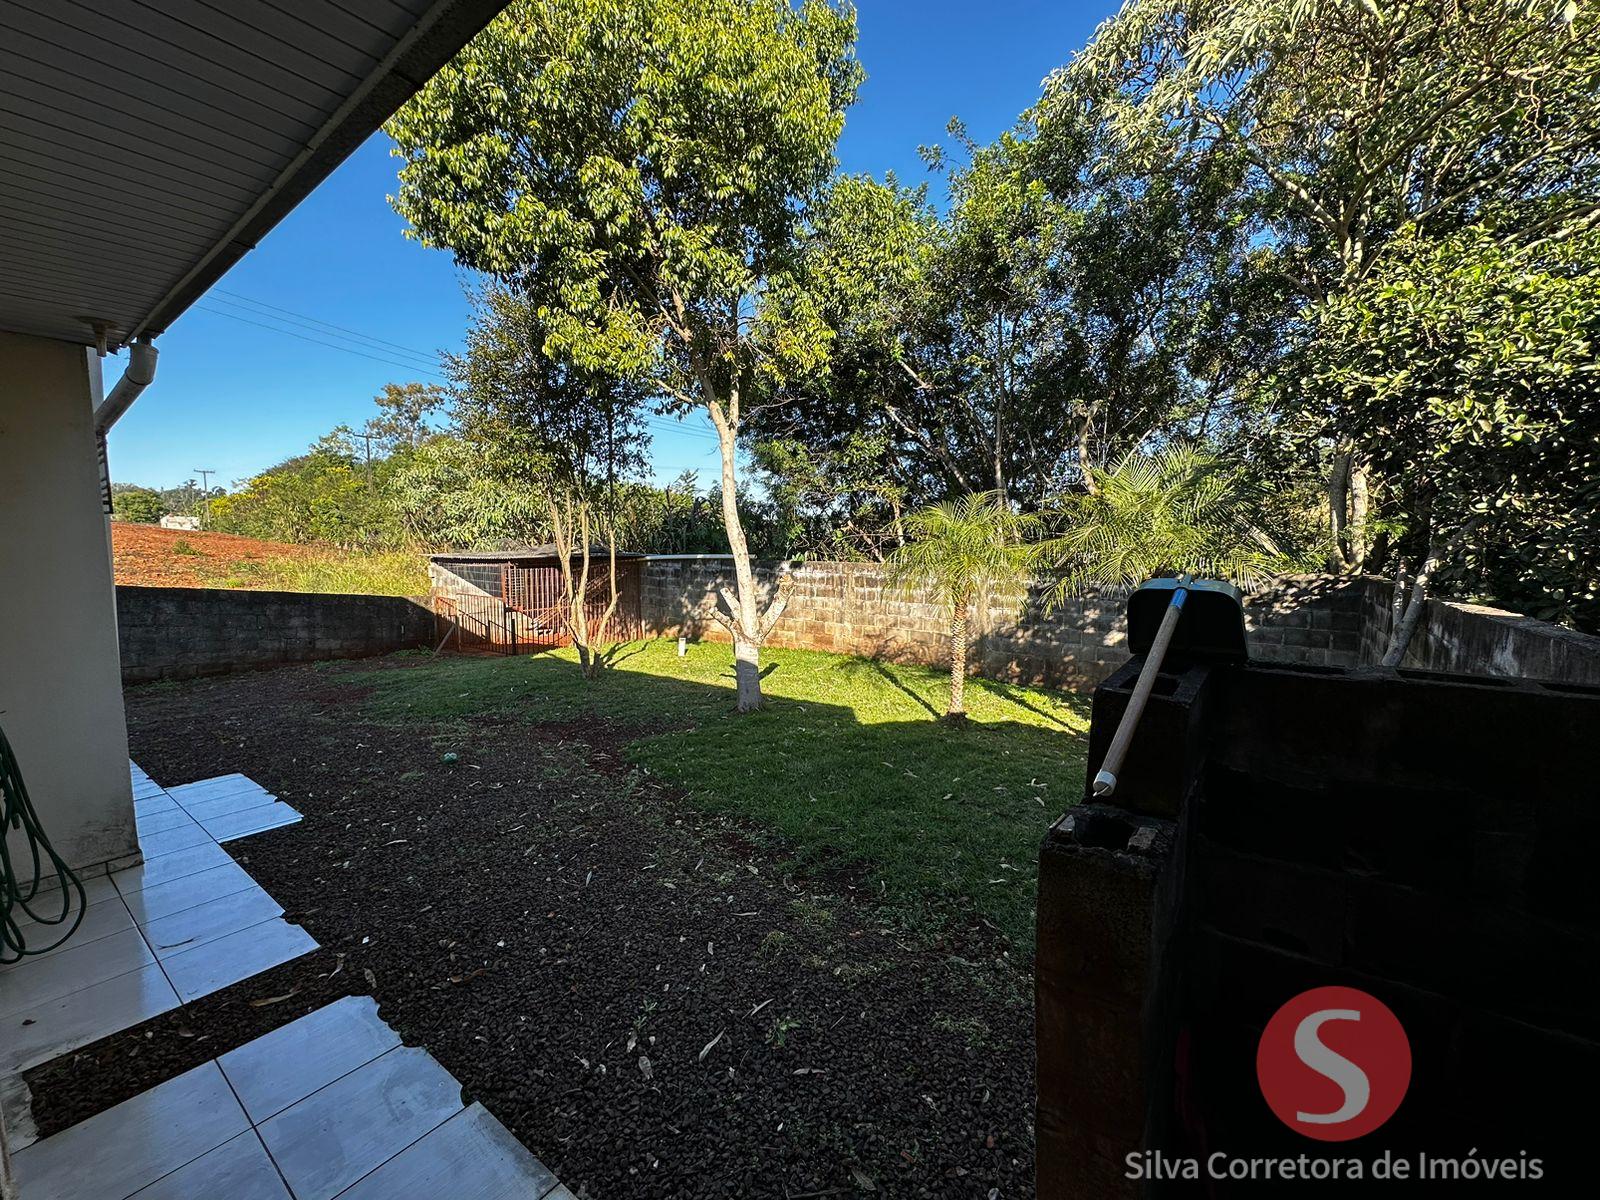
x: 146, y: 789
x: 470, y: 1157
x: 288, y: 1064
x: 160, y: 802
x: 34, y: 981
x: 173, y: 818
x: 206, y: 922
x: 164, y: 899
x: 179, y: 837
x: 333, y: 1138
x: 219, y: 785
x: 135, y: 1143
x: 35, y: 1035
x: 236, y: 1170
x: 235, y: 956
x: 99, y: 920
x: 233, y: 802
x: 251, y: 820
x: 97, y: 888
x: 167, y: 867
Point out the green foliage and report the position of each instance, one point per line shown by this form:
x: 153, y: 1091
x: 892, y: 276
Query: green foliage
x: 961, y: 546
x: 326, y: 495
x: 456, y: 493
x: 539, y: 422
x: 833, y: 500
x: 846, y: 762
x: 187, y: 498
x: 1064, y: 307
x: 1386, y: 156
x: 1466, y: 371
x: 1172, y: 512
x: 403, y: 411
x: 638, y: 167
x: 138, y: 504
x: 1356, y: 121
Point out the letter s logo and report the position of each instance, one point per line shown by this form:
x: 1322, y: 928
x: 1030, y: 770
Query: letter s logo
x: 1351, y: 1078
x: 1333, y: 1063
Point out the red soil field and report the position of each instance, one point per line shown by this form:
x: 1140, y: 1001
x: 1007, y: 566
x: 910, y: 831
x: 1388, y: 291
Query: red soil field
x: 150, y: 556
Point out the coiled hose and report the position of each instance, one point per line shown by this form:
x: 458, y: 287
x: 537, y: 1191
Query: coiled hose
x: 18, y: 893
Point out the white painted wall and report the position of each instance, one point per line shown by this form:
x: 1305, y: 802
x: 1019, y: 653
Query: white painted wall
x: 60, y: 681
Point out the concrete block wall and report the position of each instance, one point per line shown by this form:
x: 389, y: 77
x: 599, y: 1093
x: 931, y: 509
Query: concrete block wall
x: 1425, y: 839
x: 1474, y: 639
x: 180, y: 633
x: 847, y: 608
x: 455, y: 576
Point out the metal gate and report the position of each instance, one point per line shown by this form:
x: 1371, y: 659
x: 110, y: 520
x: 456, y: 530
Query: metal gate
x: 536, y: 604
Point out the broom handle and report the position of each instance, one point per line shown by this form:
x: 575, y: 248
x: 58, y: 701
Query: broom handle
x: 1105, y: 781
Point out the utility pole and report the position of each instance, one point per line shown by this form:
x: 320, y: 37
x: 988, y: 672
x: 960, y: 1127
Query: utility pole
x: 205, y: 492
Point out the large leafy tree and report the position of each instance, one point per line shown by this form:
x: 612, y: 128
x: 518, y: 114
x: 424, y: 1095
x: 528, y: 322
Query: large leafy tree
x: 957, y: 550
x: 403, y: 412
x: 546, y: 422
x: 1040, y: 325
x: 1468, y: 370
x: 1358, y: 126
x: 640, y: 168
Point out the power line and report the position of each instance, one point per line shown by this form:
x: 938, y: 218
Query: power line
x: 305, y: 337
x: 237, y: 296
x: 365, y: 351
x: 322, y: 329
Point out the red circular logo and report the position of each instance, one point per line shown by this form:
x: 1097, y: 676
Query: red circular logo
x: 1333, y: 1063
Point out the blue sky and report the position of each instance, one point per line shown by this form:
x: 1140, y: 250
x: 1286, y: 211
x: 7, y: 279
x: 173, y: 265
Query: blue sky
x: 237, y: 390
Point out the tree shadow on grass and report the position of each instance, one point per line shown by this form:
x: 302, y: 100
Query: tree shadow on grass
x: 1016, y: 696
x: 614, y: 655
x: 838, y: 765
x: 889, y: 677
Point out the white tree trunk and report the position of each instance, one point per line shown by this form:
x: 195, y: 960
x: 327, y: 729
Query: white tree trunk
x: 746, y: 626
x: 747, y: 673
x: 1338, y: 512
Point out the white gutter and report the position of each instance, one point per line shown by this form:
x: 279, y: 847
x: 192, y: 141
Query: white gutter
x: 141, y: 371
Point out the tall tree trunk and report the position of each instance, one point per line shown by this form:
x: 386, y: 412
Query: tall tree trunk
x: 958, y: 665
x: 745, y: 626
x: 1338, y: 511
x: 1406, y: 626
x: 1085, y: 465
x: 1360, y: 505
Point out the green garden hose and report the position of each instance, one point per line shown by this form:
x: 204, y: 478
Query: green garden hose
x: 17, y: 894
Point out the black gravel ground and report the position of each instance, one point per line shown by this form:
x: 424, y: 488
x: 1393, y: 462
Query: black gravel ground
x: 644, y: 994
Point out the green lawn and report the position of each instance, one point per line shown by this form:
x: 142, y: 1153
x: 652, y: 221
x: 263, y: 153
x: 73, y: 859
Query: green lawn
x: 846, y: 761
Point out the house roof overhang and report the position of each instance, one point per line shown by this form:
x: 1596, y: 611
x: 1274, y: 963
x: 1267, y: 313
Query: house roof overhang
x: 150, y: 144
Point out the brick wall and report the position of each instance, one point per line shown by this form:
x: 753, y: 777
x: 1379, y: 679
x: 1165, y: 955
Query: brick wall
x: 178, y: 633
x: 847, y: 608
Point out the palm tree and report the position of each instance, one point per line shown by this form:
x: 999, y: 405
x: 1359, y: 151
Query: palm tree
x: 1176, y: 511
x: 956, y: 549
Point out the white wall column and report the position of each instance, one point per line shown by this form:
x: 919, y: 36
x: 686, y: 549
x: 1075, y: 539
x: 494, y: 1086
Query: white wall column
x: 60, y: 678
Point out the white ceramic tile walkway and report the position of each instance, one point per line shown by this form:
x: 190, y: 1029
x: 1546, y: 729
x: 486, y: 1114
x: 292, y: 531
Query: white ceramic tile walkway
x: 329, y: 1106
x: 186, y: 922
